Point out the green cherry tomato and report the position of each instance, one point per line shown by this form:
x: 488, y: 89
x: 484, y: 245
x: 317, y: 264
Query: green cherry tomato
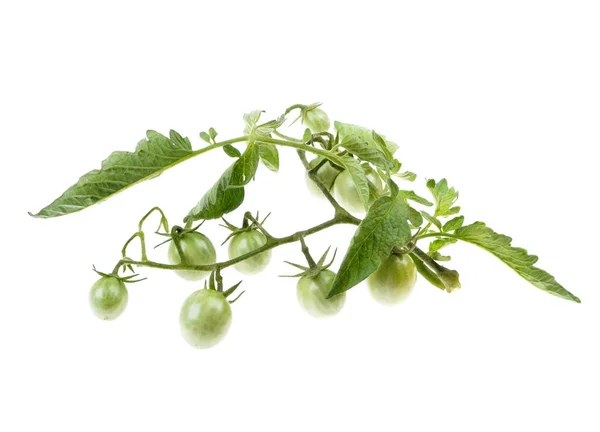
x: 311, y: 293
x: 394, y: 280
x: 108, y: 297
x: 346, y: 192
x: 326, y: 175
x: 316, y: 120
x: 205, y: 318
x: 245, y: 242
x: 198, y: 250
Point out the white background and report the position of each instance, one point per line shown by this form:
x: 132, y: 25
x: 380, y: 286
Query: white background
x: 501, y: 98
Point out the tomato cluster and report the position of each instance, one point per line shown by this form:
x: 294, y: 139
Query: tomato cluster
x: 205, y: 316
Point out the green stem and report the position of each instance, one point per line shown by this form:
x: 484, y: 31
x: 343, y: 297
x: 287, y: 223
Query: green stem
x: 217, y: 145
x: 309, y: 259
x: 312, y: 174
x: 293, y: 107
x: 327, y: 154
x: 285, y: 137
x: 437, y: 234
x: 271, y: 243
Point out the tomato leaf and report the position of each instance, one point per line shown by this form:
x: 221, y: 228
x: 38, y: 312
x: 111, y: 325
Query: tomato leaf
x: 359, y: 177
x: 254, y: 129
x: 205, y: 137
x: 384, y: 227
x: 412, y: 196
x: 438, y: 244
x: 306, y: 137
x: 516, y: 258
x: 153, y: 155
x: 435, y: 221
x: 346, y: 130
x: 269, y: 155
x: 414, y: 217
x: 266, y: 129
x: 251, y: 121
x: 444, y: 196
x: 361, y: 149
x: 227, y: 193
x: 453, y: 224
x: 231, y: 151
x: 407, y: 175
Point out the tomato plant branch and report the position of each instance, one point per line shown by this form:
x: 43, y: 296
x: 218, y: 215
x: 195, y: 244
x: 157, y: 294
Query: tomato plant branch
x: 285, y: 137
x: 339, y: 210
x: 271, y: 243
x: 437, y: 234
x: 327, y: 154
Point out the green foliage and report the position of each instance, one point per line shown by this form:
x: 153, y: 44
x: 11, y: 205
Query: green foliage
x: 516, y: 258
x: 438, y: 244
x: 365, y: 152
x: 397, y: 220
x: 231, y: 151
x: 453, y: 224
x: 432, y: 219
x: 269, y: 155
x: 254, y: 129
x: 227, y: 193
x: 367, y: 135
x: 384, y: 228
x: 412, y: 196
x: 444, y: 197
x: 120, y: 170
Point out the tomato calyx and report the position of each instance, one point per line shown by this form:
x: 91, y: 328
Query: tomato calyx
x: 215, y: 283
x: 249, y: 223
x: 314, y: 268
x: 175, y: 236
x: 125, y: 279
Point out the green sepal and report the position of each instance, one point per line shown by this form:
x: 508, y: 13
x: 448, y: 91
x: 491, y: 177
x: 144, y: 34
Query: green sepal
x: 314, y: 270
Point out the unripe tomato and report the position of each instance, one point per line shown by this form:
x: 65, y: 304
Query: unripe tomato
x: 245, y: 242
x: 345, y: 190
x: 326, y: 175
x: 198, y: 250
x: 311, y: 293
x: 316, y: 120
x: 394, y: 280
x: 205, y: 318
x: 108, y: 297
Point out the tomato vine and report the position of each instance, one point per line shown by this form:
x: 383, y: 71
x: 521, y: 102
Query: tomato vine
x: 353, y: 168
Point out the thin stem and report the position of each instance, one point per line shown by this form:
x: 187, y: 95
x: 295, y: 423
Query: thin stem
x: 217, y: 145
x: 141, y: 236
x: 312, y: 173
x: 248, y: 216
x: 437, y: 234
x: 270, y: 244
x: 327, y: 154
x: 309, y: 259
x: 285, y: 137
x: 163, y: 221
x: 219, y: 279
x: 293, y: 107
